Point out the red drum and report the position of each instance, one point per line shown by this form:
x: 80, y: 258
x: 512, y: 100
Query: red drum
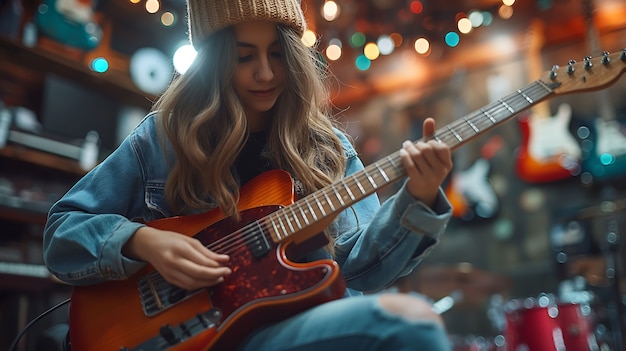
x: 543, y: 324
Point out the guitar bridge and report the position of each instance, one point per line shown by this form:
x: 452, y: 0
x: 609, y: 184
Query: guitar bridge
x: 157, y: 295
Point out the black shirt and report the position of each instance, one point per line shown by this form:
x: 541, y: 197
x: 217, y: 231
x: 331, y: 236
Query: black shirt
x: 250, y: 161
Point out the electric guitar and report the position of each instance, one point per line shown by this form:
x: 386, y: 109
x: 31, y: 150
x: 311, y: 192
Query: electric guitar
x: 604, y: 151
x: 549, y: 152
x: 145, y: 312
x: 470, y: 192
x: 603, y: 142
x: 69, y: 22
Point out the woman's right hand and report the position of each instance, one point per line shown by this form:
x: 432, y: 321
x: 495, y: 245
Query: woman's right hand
x: 183, y: 261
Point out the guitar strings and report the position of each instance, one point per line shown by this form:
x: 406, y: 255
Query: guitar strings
x: 517, y: 101
x: 476, y: 118
x: 456, y: 133
x: 508, y: 106
x: 475, y: 122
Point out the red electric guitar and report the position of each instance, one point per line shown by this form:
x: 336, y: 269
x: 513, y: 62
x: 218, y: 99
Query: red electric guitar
x: 147, y: 313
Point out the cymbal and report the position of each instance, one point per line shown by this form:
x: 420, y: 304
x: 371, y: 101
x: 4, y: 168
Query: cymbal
x: 474, y: 284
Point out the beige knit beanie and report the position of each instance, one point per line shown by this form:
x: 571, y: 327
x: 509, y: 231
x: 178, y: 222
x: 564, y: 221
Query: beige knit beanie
x: 208, y: 16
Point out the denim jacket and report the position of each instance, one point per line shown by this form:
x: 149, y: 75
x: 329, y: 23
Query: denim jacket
x: 89, y: 225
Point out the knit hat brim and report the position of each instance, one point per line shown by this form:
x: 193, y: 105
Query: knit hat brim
x: 209, y: 16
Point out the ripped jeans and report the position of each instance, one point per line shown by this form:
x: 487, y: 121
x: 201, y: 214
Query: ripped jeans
x: 359, y: 323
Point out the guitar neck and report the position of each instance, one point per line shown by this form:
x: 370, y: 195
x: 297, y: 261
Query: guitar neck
x: 311, y: 214
x: 324, y: 204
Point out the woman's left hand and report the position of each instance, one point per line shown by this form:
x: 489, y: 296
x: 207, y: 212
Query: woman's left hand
x: 427, y: 165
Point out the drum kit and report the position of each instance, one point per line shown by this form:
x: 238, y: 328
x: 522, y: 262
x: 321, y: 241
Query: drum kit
x: 549, y: 323
x: 569, y: 321
x: 584, y: 315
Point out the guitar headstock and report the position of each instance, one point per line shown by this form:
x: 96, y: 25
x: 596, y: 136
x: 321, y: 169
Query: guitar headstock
x: 592, y: 73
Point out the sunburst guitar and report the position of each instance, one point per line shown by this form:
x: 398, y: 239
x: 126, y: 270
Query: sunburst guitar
x: 145, y: 312
x: 148, y: 313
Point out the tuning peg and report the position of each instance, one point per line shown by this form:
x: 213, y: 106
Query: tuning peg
x: 622, y: 55
x: 570, y: 67
x: 605, y: 58
x: 588, y: 63
x: 553, y: 73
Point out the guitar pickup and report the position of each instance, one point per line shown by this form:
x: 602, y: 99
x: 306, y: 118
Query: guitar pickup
x: 258, y: 244
x: 173, y: 335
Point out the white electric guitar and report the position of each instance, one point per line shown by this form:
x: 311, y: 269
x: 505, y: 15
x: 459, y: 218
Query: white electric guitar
x: 549, y: 152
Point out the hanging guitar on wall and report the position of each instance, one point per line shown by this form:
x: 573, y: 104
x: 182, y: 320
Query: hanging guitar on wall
x: 470, y: 191
x: 549, y: 152
x: 604, y: 142
x: 69, y: 22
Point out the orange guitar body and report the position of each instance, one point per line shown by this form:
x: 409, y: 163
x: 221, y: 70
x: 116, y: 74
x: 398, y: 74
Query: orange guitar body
x: 263, y: 288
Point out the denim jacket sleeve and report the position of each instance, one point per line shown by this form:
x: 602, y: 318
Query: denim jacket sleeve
x: 88, y: 226
x: 378, y: 243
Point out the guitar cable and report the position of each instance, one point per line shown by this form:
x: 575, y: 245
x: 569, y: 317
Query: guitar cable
x: 35, y: 320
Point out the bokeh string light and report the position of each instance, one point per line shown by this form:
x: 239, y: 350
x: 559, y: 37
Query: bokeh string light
x: 411, y: 26
x: 366, y: 40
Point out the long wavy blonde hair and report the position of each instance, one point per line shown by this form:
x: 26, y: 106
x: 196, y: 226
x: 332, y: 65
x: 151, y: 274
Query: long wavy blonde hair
x: 201, y: 116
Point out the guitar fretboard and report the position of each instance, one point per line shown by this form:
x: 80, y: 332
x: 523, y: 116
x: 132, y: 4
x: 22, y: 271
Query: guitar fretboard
x: 329, y: 201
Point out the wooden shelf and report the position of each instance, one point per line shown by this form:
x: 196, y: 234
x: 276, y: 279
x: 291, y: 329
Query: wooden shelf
x: 16, y: 214
x: 42, y: 159
x: 53, y: 170
x: 38, y: 62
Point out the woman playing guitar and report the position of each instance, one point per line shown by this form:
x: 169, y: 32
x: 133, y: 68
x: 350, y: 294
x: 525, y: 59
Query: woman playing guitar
x: 201, y: 230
